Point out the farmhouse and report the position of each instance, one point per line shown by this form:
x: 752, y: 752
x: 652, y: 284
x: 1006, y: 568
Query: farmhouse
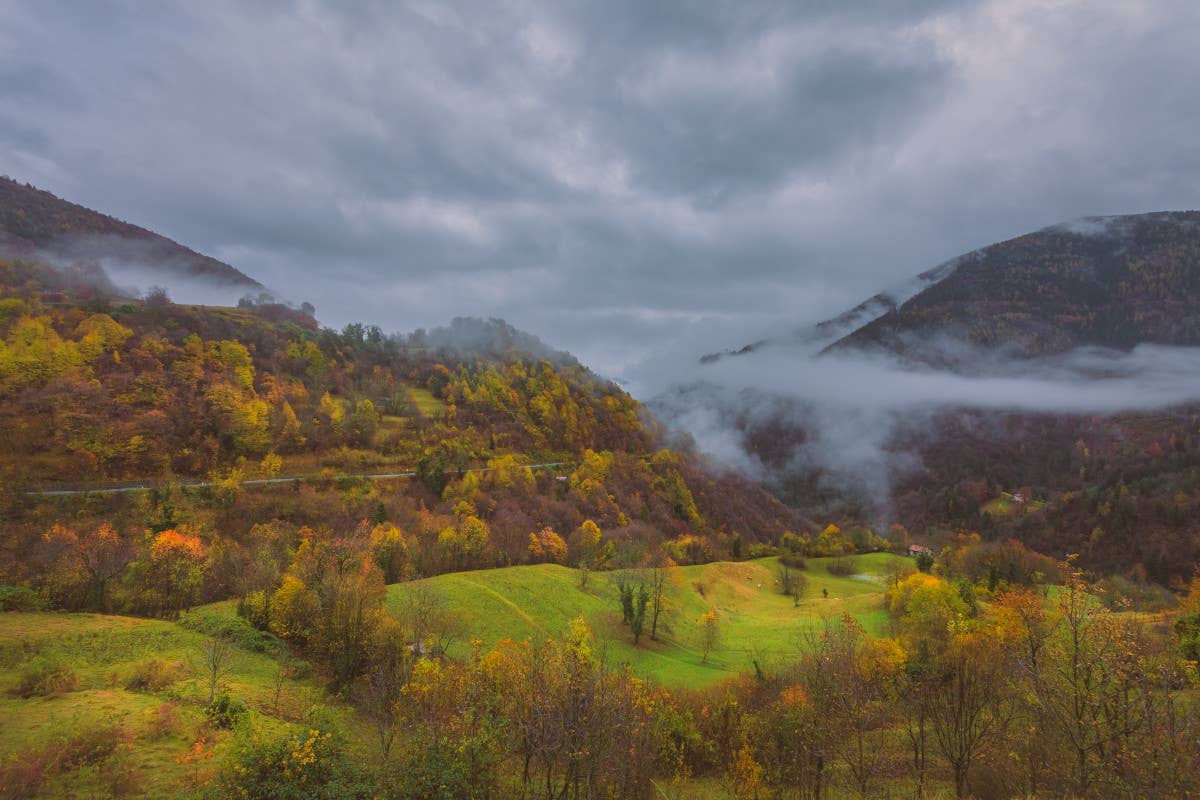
x: 915, y: 550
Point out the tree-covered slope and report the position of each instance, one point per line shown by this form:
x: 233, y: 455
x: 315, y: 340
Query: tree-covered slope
x: 1061, y: 310
x: 1103, y: 282
x: 487, y: 445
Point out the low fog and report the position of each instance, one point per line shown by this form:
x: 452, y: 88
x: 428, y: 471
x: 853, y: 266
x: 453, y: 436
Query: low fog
x: 133, y: 268
x: 854, y: 405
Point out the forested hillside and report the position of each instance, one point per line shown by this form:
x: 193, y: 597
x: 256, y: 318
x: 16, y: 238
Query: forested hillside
x: 513, y: 457
x: 1105, y: 282
x: 1072, y: 306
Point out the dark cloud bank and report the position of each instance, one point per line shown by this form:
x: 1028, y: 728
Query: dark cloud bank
x: 615, y: 177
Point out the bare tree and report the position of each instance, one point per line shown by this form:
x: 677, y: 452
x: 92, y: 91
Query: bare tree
x: 965, y: 703
x: 431, y: 621
x: 710, y: 632
x: 659, y: 580
x: 217, y: 654
x: 850, y: 688
x: 283, y: 666
x: 793, y: 583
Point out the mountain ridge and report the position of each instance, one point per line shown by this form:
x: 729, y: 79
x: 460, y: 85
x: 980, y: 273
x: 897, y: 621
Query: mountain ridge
x: 1095, y: 310
x: 37, y: 223
x: 1096, y: 245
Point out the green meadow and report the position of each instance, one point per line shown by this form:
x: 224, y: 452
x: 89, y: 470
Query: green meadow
x: 756, y: 621
x: 157, y: 741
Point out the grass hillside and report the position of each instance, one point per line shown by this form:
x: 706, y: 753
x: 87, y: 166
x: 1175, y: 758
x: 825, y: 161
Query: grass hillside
x: 155, y: 740
x: 129, y: 718
x: 133, y: 723
x: 756, y: 620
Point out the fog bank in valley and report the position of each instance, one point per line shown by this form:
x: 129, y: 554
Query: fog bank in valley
x: 853, y: 406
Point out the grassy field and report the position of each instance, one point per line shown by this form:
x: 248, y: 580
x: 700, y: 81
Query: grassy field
x: 164, y: 741
x: 165, y: 746
x: 1004, y: 505
x: 425, y: 402
x: 756, y: 620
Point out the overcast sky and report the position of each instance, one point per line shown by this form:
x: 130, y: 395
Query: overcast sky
x: 620, y: 178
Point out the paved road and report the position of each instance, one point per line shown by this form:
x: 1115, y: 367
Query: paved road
x: 123, y: 488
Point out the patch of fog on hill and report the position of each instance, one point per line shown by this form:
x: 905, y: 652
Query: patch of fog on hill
x: 133, y: 267
x: 854, y: 407
x: 487, y: 337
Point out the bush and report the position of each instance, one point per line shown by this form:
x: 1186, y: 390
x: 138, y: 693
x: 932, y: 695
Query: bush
x: 96, y: 753
x: 164, y: 721
x: 308, y: 764
x: 115, y: 776
x: 841, y: 567
x: 761, y: 550
x: 88, y: 746
x: 237, y: 629
x: 226, y: 711
x: 445, y: 768
x: 46, y: 679
x: 153, y: 675
x: 19, y: 598
x: 793, y: 560
x: 1121, y: 594
x: 22, y: 775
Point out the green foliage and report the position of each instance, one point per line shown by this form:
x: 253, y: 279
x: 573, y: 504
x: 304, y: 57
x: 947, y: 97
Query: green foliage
x: 153, y: 675
x: 640, y: 600
x: 46, y: 679
x: 310, y: 764
x: 19, y: 598
x: 226, y: 711
x: 1187, y: 631
x: 1123, y: 593
x: 214, y: 622
x: 442, y: 767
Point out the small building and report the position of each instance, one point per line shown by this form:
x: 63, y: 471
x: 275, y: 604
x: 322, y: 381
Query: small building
x: 915, y: 550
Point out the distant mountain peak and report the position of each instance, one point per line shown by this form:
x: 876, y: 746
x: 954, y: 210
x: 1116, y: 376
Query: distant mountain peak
x: 1105, y: 281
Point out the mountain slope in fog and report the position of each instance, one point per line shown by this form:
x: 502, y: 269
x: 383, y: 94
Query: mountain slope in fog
x: 1099, y: 282
x: 1059, y: 366
x: 35, y: 222
x: 1115, y: 282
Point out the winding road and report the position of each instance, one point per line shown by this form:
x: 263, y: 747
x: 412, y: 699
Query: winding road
x: 121, y: 488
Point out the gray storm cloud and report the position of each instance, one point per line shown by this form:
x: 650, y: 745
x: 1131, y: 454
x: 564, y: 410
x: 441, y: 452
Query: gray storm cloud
x: 615, y: 177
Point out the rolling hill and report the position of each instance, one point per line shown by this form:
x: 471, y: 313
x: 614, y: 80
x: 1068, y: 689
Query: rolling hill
x: 756, y: 620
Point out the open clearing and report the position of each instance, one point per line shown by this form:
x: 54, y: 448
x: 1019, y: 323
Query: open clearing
x: 756, y: 620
